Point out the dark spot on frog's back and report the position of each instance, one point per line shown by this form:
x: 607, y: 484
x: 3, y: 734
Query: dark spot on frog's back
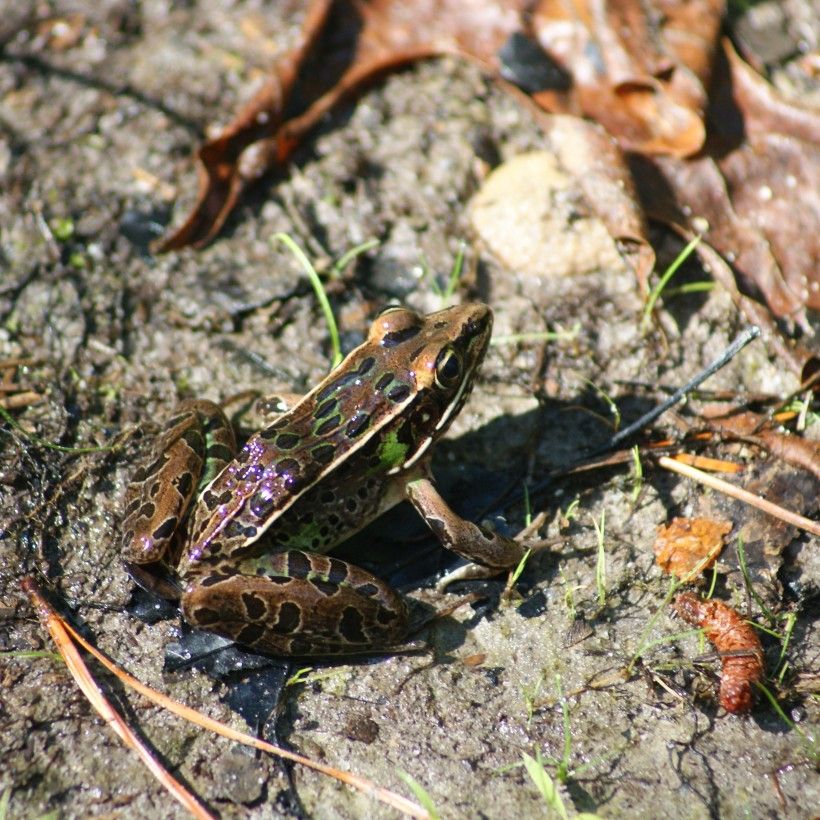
x: 236, y: 529
x: 323, y: 453
x: 350, y: 626
x: 330, y: 424
x: 287, y: 441
x: 357, y: 425
x: 251, y: 472
x: 336, y: 385
x: 295, y: 484
x: 149, y: 470
x: 287, y: 465
x: 290, y: 617
x: 212, y: 422
x: 398, y: 393
x: 386, y: 616
x: 261, y: 504
x: 325, y: 409
x: 298, y: 564
x: 271, y: 430
x: 383, y: 381
x: 193, y: 438
x: 185, y: 483
x: 250, y: 634
x: 337, y: 574
x: 166, y: 529
x: 396, y: 337
x: 147, y: 510
x: 212, y: 500
x: 254, y: 606
x: 324, y: 587
x: 205, y: 616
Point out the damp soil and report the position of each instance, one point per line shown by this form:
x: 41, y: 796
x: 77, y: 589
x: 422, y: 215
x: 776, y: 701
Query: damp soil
x: 99, y: 118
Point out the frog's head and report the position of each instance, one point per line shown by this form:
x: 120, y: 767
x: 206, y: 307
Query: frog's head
x: 431, y: 361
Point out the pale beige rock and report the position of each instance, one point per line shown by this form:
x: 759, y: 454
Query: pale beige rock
x: 529, y: 214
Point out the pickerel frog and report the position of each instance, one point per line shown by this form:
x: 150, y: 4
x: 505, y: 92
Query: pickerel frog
x: 250, y: 560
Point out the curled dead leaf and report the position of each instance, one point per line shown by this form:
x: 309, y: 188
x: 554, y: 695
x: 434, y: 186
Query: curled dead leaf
x: 687, y: 546
x: 736, y: 640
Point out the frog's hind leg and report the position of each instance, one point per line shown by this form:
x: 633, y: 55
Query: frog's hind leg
x: 297, y: 603
x: 196, y: 444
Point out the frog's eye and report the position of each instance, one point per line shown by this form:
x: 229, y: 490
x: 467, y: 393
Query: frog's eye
x: 448, y: 369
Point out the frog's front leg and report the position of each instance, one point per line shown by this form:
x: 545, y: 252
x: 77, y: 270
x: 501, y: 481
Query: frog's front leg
x: 296, y: 603
x: 490, y: 552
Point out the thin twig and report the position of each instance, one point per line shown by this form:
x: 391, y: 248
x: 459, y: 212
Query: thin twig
x: 21, y: 399
x: 741, y: 495
x: 748, y: 335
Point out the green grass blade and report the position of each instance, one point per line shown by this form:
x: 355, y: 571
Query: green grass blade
x: 50, y: 445
x: 455, y: 273
x: 348, y: 256
x: 421, y: 795
x: 319, y: 290
x: 545, y: 785
x: 5, y: 799
x: 655, y: 293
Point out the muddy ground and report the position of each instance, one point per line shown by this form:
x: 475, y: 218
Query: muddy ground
x: 99, y: 118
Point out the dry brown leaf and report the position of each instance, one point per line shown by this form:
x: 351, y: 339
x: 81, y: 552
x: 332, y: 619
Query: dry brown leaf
x: 736, y: 640
x: 639, y: 74
x: 775, y: 176
x: 475, y: 660
x: 756, y: 190
x: 756, y: 429
x: 687, y: 546
x: 341, y: 47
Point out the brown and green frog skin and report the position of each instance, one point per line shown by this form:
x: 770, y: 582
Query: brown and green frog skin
x: 250, y: 555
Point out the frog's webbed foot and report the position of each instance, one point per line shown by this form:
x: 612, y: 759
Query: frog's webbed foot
x: 490, y: 553
x: 297, y: 603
